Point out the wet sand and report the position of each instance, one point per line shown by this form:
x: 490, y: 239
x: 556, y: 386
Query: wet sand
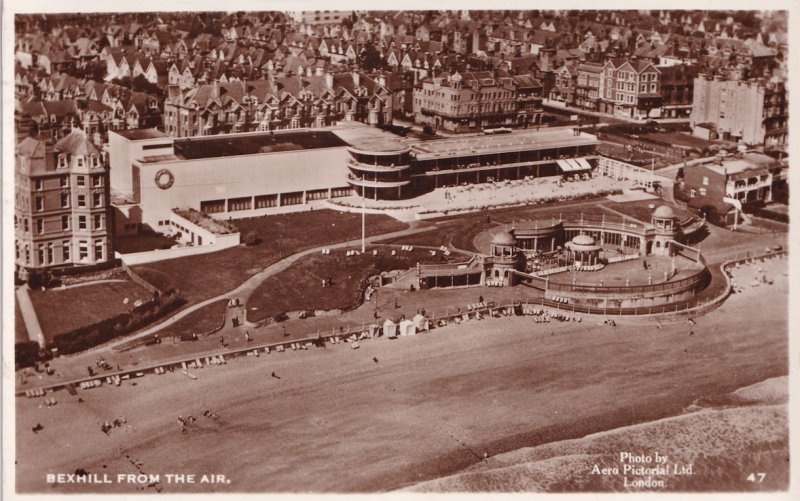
x: 336, y: 421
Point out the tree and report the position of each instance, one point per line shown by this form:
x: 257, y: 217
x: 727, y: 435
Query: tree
x: 370, y: 58
x: 710, y: 213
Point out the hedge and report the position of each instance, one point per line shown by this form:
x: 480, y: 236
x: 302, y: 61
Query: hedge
x: 26, y: 354
x: 92, y: 335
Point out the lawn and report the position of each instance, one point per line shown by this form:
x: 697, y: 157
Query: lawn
x: 678, y: 138
x: 20, y: 331
x: 207, y: 275
x: 128, y: 244
x: 432, y: 238
x: 640, y: 209
x: 205, y: 319
x: 63, y: 310
x: 461, y: 230
x: 300, y: 286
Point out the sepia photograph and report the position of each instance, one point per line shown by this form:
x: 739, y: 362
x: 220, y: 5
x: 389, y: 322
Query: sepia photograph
x: 420, y: 251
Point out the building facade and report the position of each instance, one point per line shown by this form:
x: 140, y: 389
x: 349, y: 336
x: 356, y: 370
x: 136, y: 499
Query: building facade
x: 630, y: 89
x: 62, y: 210
x: 755, y: 111
x: 253, y: 174
x: 295, y: 102
x: 475, y: 100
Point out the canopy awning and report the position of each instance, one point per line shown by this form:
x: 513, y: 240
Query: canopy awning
x: 570, y: 165
x: 584, y: 163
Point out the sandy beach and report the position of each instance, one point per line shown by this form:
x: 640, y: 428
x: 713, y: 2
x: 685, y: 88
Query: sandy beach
x: 335, y: 420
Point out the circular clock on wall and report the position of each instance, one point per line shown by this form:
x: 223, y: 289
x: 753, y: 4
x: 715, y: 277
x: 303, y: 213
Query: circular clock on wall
x: 164, y: 179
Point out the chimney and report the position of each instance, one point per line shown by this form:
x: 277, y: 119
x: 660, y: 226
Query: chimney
x: 356, y: 78
x: 382, y: 80
x: 328, y: 80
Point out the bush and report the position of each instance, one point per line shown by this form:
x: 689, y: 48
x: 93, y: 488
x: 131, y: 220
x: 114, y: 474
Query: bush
x: 251, y: 239
x: 39, y: 278
x: 26, y: 354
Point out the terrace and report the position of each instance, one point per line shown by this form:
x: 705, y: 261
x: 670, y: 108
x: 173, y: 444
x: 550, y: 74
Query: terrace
x: 516, y: 141
x: 254, y: 143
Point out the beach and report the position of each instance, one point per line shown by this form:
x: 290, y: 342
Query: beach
x: 395, y: 413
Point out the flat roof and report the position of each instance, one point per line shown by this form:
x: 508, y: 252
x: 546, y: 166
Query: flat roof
x: 519, y: 140
x: 749, y: 161
x: 227, y: 145
x: 366, y: 138
x: 139, y: 134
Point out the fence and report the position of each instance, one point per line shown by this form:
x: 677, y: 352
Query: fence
x: 625, y: 171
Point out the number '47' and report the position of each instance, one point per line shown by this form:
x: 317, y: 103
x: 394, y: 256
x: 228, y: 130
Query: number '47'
x: 756, y: 477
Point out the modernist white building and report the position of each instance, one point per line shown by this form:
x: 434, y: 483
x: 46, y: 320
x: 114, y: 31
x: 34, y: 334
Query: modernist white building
x: 253, y: 174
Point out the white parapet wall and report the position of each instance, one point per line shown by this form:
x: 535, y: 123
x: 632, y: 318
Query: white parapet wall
x: 199, y: 240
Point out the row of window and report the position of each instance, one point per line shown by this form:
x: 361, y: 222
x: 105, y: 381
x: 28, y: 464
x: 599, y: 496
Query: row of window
x: 269, y: 201
x: 63, y: 182
x: 46, y: 253
x: 97, y: 201
x: 94, y: 161
x: 98, y: 223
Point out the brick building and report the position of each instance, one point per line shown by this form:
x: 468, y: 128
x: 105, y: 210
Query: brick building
x: 630, y: 88
x: 478, y: 99
x: 62, y: 209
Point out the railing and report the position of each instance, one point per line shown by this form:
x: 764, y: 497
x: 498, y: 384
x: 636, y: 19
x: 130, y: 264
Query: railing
x: 701, y: 278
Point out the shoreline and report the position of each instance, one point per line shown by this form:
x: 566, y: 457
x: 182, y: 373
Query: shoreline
x: 583, y: 428
x: 733, y: 403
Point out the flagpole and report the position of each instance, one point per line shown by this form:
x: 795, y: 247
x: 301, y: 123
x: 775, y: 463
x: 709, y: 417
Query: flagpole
x: 363, y: 222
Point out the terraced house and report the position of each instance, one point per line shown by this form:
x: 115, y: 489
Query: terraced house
x: 291, y: 102
x: 630, y: 88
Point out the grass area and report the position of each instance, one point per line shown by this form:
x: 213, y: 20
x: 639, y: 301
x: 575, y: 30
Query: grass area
x: 433, y: 238
x: 129, y: 244
x: 207, y: 275
x: 678, y: 138
x: 20, y: 331
x: 636, y: 157
x: 205, y: 319
x: 461, y: 230
x: 63, y: 310
x: 640, y: 209
x: 300, y: 286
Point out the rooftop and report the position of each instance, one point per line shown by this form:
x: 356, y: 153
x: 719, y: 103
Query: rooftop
x: 370, y: 139
x: 139, y: 134
x: 516, y: 141
x: 749, y: 161
x: 254, y: 143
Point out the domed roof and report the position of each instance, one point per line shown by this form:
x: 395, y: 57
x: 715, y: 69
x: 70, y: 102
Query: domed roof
x: 583, y: 240
x: 664, y: 212
x: 504, y: 238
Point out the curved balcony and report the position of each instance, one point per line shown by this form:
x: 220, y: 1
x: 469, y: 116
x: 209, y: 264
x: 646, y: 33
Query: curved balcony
x: 382, y: 148
x: 355, y: 165
x: 376, y: 184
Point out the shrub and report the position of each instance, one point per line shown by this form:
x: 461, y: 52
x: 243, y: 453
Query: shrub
x: 251, y: 238
x: 26, y: 354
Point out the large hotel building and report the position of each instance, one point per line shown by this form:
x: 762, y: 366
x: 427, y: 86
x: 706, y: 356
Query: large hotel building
x: 252, y: 174
x: 62, y: 213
